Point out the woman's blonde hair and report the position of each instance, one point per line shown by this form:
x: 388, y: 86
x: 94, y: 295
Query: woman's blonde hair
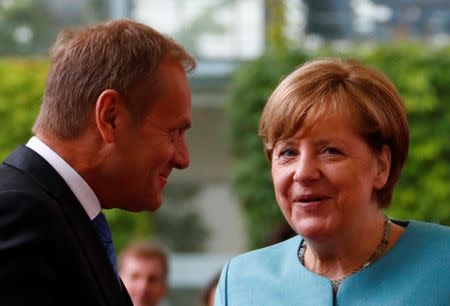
x: 336, y: 86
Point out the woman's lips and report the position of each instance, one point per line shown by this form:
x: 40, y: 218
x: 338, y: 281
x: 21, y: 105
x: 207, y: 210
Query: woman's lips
x: 310, y: 202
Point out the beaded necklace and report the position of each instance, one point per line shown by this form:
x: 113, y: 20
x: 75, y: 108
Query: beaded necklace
x: 375, y: 255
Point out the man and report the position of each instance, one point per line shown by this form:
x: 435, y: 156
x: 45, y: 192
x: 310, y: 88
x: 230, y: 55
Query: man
x: 144, y: 269
x: 110, y: 130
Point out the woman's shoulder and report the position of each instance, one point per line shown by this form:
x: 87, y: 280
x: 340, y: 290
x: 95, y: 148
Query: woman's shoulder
x: 430, y: 238
x: 425, y: 230
x: 270, y: 257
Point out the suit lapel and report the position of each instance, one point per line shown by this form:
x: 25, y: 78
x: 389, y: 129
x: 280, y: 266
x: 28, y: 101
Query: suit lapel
x: 125, y: 292
x: 31, y: 163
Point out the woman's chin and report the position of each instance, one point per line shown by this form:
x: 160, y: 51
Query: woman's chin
x: 313, y: 228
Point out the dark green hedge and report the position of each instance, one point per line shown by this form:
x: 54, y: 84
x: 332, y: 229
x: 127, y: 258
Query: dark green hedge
x: 21, y: 87
x: 422, y: 76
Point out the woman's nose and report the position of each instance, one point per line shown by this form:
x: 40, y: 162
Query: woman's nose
x: 306, y: 169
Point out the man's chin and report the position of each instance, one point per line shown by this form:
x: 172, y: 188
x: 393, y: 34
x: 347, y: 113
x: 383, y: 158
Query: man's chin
x: 154, y: 207
x: 143, y: 206
x: 154, y: 204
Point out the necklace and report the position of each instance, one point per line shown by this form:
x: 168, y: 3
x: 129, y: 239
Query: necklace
x: 375, y: 255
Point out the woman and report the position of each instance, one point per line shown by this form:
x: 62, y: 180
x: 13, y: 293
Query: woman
x: 336, y: 136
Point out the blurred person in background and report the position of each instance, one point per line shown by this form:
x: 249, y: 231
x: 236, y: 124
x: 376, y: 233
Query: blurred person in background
x: 143, y: 268
x: 208, y: 294
x: 110, y: 130
x: 336, y: 136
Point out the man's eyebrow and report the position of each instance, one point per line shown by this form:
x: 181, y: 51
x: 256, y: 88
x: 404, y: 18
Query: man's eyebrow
x: 183, y: 125
x: 186, y: 125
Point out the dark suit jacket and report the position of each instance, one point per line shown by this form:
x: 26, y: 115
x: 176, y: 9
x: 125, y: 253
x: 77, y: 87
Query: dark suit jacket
x: 49, y: 251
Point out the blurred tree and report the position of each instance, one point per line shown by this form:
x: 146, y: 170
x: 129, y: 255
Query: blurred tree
x: 95, y: 10
x: 127, y: 227
x: 421, y: 76
x: 26, y: 27
x: 181, y: 228
x: 276, y: 24
x: 204, y: 23
x: 330, y: 19
x: 21, y: 89
x: 30, y: 26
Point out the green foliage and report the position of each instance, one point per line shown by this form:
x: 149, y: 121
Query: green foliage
x: 127, y: 227
x: 276, y: 23
x: 21, y: 87
x: 422, y: 77
x: 420, y: 74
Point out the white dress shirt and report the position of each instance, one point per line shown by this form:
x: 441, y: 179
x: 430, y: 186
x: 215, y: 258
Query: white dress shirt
x: 76, y: 183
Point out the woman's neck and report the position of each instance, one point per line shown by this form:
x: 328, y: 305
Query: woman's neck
x: 337, y: 257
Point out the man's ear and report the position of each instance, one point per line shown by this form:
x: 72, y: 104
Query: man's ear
x: 106, y: 110
x: 383, y: 167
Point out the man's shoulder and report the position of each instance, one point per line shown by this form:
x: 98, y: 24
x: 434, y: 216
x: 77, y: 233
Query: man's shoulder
x: 21, y: 195
x: 25, y: 171
x: 12, y: 169
x: 15, y: 181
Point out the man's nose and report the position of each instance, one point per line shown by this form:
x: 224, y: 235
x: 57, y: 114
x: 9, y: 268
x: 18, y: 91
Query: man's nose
x: 181, y: 155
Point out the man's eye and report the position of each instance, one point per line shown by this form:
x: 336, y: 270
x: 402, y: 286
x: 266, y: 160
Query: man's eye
x: 179, y: 131
x: 176, y: 133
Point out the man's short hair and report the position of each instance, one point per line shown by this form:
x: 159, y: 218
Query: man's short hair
x: 144, y: 250
x: 117, y: 55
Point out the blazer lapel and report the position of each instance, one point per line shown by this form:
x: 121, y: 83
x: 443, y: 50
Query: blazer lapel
x: 31, y: 163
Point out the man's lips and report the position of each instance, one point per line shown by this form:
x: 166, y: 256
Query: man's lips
x: 162, y: 181
x: 164, y: 174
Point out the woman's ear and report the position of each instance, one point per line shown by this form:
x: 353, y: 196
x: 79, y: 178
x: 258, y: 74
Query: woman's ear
x: 383, y: 167
x: 106, y: 110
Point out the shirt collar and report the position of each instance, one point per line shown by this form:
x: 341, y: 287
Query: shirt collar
x: 77, y: 184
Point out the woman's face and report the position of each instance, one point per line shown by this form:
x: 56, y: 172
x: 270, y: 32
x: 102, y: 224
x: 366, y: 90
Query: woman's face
x: 325, y: 178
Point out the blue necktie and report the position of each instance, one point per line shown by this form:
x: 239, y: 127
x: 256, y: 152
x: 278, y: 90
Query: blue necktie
x: 104, y: 233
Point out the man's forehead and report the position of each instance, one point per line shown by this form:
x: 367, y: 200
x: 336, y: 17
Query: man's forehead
x: 143, y: 265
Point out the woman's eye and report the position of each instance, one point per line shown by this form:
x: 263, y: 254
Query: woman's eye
x: 287, y: 152
x: 331, y: 151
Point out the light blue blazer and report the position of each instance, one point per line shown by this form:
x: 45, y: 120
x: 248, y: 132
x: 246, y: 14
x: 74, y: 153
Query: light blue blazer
x: 416, y: 271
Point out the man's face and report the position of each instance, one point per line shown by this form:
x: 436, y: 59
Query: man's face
x: 147, y: 151
x: 144, y: 279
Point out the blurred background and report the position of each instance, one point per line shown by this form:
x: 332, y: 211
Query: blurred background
x: 223, y: 204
